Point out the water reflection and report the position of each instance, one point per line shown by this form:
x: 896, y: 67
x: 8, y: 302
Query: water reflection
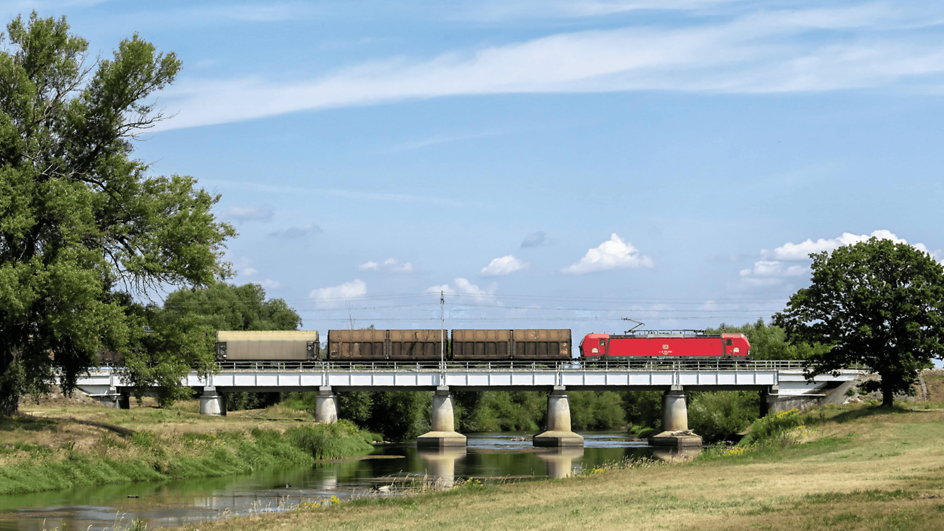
x: 489, y: 457
x: 442, y: 465
x: 560, y: 461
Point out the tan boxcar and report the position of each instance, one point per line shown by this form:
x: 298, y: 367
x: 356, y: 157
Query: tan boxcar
x: 476, y: 345
x: 379, y: 345
x: 268, y: 345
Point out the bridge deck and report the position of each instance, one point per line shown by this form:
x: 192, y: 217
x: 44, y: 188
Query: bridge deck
x: 715, y: 374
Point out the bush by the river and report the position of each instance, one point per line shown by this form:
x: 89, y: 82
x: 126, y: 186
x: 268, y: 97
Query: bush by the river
x: 332, y: 441
x: 720, y: 415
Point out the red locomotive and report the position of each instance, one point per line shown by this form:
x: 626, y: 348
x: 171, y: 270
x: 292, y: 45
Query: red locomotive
x: 666, y: 345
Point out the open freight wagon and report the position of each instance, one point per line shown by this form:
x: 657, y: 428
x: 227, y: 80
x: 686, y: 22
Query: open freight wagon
x: 525, y: 345
x: 381, y: 345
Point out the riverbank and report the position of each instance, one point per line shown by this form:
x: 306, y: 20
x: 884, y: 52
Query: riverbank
x: 854, y: 467
x: 52, y: 447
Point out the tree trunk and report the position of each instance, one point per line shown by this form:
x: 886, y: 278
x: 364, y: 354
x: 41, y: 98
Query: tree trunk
x: 888, y: 393
x: 9, y: 385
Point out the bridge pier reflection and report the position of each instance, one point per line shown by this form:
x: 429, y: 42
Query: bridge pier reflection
x: 442, y: 464
x: 560, y: 461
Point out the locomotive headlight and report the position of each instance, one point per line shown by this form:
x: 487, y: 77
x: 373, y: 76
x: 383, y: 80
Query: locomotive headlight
x: 595, y: 350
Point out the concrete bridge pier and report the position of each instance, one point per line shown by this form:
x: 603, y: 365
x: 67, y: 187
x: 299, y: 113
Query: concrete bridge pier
x: 443, y: 426
x: 326, y: 406
x: 124, y: 400
x: 212, y: 403
x: 114, y: 399
x: 558, y: 432
x: 675, y: 409
x: 769, y: 401
x: 675, y: 432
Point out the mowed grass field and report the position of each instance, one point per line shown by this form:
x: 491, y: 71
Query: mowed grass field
x: 855, y: 468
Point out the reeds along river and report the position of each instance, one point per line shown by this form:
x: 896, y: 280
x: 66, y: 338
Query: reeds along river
x: 389, y: 469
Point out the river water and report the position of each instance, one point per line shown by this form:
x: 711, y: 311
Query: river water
x: 390, y: 468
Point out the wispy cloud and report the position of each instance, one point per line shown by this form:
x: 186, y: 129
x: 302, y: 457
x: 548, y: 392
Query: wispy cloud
x: 755, y: 53
x: 261, y: 213
x: 462, y: 287
x: 297, y: 231
x: 517, y: 10
x: 446, y: 139
x: 534, y: 239
x: 319, y: 192
x: 390, y: 264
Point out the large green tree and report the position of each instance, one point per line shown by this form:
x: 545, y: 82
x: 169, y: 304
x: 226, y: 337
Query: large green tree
x: 187, y: 323
x: 770, y: 342
x: 878, y: 303
x: 84, y: 229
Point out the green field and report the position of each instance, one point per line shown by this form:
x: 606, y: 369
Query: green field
x: 842, y: 468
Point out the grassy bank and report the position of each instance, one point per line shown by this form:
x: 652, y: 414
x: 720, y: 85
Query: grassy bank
x: 50, y: 448
x: 851, y: 467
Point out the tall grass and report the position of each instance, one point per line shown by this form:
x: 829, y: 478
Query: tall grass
x: 331, y: 441
x: 149, y: 456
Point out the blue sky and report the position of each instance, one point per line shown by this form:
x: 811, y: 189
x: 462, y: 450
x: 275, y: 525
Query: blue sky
x: 546, y: 164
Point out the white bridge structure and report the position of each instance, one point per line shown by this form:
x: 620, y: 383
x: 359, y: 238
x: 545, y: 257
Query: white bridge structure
x: 783, y: 385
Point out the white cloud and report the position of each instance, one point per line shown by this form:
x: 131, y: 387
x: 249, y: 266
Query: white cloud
x: 249, y: 213
x: 610, y: 254
x: 335, y: 294
x: 390, y: 264
x: 504, y: 265
x: 243, y: 266
x: 464, y: 288
x: 445, y: 289
x: 762, y: 52
x: 801, y: 251
x: 772, y: 269
x: 398, y: 267
x: 271, y: 284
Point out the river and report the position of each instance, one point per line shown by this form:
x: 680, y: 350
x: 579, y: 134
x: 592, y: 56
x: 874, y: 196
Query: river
x: 488, y: 457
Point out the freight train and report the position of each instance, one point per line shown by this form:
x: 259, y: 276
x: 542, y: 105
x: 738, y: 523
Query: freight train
x: 537, y: 345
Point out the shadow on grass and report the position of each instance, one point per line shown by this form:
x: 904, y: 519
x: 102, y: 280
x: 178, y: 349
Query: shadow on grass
x: 873, y: 411
x: 25, y: 422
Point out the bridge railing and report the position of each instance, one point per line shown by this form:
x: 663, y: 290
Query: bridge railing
x: 626, y: 364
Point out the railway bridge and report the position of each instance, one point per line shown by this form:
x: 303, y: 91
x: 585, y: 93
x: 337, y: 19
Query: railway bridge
x: 782, y: 385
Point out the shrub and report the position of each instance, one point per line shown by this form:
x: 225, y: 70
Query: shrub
x: 719, y: 415
x: 765, y: 429
x: 331, y: 441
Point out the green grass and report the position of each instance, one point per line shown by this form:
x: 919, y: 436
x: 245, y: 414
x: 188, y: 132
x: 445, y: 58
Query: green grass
x: 49, y: 460
x: 332, y: 441
x: 860, y: 468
